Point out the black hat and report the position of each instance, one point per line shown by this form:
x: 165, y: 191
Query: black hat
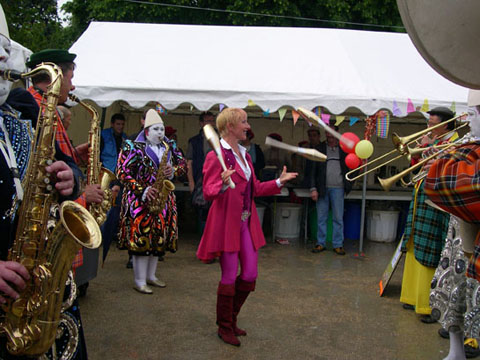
x: 442, y: 111
x: 56, y: 56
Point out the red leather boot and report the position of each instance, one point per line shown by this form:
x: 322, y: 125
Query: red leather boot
x: 225, y: 296
x: 242, y: 290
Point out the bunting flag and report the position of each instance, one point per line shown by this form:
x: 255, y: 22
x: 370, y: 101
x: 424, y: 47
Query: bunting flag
x: 281, y: 113
x: 383, y: 124
x: 251, y: 103
x: 339, y: 120
x: 266, y: 112
x: 410, y: 107
x: 453, y: 107
x: 396, y: 110
x: 295, y: 116
x: 160, y: 109
x: 425, y: 107
x: 191, y: 107
x: 317, y: 111
x: 221, y: 107
x: 326, y: 118
x: 353, y: 120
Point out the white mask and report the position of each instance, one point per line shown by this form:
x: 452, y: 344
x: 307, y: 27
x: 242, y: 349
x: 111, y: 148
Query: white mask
x: 5, y: 48
x: 156, y: 133
x: 474, y: 119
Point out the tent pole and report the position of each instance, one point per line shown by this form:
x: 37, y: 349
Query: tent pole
x: 362, y: 217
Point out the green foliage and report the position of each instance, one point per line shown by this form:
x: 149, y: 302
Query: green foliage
x: 35, y: 23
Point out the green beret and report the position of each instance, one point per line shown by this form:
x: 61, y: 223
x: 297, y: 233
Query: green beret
x: 50, y: 55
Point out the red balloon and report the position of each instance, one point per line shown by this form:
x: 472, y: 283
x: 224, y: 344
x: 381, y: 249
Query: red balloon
x: 350, y: 136
x: 352, y: 161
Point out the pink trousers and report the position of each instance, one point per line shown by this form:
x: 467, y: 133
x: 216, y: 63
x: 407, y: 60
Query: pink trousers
x: 248, y: 259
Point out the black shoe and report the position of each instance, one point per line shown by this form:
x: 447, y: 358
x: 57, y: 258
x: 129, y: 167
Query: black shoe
x: 443, y: 333
x: 129, y: 264
x: 339, y: 251
x: 408, y: 307
x: 82, y: 289
x: 427, y: 319
x: 471, y: 352
x: 161, y: 258
x: 318, y: 249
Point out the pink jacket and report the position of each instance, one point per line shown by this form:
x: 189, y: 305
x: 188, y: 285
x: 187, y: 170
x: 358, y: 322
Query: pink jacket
x: 222, y: 231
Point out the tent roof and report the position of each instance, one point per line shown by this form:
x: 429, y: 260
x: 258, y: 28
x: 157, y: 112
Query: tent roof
x: 273, y: 67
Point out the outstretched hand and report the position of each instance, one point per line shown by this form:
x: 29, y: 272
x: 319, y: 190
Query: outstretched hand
x: 287, y: 176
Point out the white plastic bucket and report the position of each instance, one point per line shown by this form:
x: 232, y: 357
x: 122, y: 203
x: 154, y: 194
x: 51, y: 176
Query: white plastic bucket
x: 287, y: 221
x: 382, y: 225
x: 260, y: 212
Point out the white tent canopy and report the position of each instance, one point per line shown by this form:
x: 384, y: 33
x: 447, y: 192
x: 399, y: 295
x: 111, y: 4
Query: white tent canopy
x: 273, y: 67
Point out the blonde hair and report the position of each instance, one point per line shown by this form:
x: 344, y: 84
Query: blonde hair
x: 229, y: 116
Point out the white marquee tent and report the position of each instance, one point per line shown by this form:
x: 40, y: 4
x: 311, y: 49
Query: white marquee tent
x: 273, y: 67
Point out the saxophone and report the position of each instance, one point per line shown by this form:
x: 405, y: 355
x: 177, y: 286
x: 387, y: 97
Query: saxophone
x: 96, y: 174
x: 44, y: 245
x: 164, y: 186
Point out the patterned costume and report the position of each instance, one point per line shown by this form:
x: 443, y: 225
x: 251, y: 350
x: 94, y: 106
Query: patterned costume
x: 424, y: 238
x: 70, y: 334
x: 453, y: 183
x: 142, y: 232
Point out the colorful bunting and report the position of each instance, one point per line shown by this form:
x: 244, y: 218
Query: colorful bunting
x: 326, y: 118
x: 160, y: 109
x: 383, y: 124
x: 339, y: 120
x: 425, y: 107
x: 281, y: 113
x: 410, y: 107
x: 396, y: 110
x: 453, y: 107
x: 317, y: 111
x: 221, y: 107
x: 295, y: 116
x: 251, y: 103
x: 266, y: 112
x: 353, y: 120
x: 191, y: 107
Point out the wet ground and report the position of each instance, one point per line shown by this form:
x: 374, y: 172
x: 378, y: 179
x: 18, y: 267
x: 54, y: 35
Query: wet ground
x: 306, y: 306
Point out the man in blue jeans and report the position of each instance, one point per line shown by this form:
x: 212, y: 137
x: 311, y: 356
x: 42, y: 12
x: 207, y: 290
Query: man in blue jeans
x: 328, y: 187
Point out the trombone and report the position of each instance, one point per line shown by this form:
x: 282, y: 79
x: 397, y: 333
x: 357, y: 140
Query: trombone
x: 402, y: 148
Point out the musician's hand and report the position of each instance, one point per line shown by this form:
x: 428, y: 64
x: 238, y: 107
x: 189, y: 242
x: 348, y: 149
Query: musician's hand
x: 151, y: 194
x: 12, y: 277
x: 427, y: 140
x: 93, y: 194
x: 287, y: 176
x: 226, y: 176
x: 115, y: 191
x: 314, y: 195
x: 82, y: 151
x: 65, y: 181
x: 168, y: 171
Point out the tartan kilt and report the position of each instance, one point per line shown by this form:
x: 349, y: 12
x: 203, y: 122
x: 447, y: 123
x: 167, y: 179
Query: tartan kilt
x: 428, y: 227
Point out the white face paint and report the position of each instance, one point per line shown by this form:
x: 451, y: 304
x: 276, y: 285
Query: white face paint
x: 156, y: 133
x: 474, y: 118
x: 5, y: 48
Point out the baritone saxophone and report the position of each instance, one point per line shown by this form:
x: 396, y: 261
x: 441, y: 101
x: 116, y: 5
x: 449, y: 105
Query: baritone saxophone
x: 96, y: 173
x: 45, y: 244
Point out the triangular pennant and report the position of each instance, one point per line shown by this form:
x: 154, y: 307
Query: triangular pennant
x: 266, y: 112
x: 326, y: 118
x: 425, y: 107
x: 191, y: 107
x: 295, y: 116
x: 410, y: 107
x: 251, y: 103
x: 396, y: 110
x: 353, y: 120
x: 281, y: 113
x: 339, y: 120
x: 453, y: 107
x: 221, y: 107
x: 317, y: 111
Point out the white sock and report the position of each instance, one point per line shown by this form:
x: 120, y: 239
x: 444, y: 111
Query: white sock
x: 152, y: 267
x: 140, y: 265
x: 457, y: 351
